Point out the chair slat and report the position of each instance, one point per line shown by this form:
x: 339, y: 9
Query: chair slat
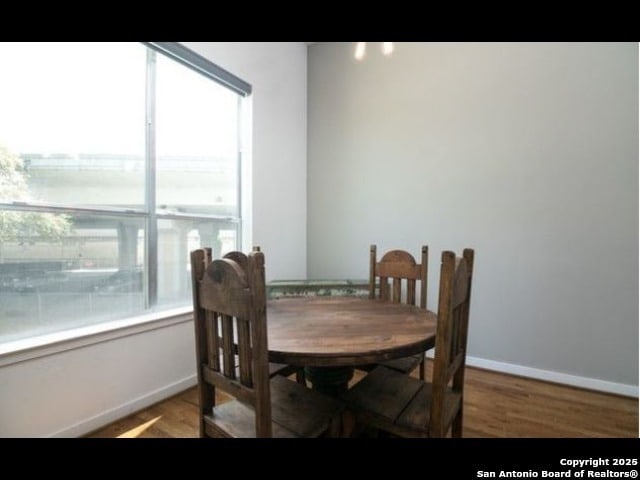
x: 397, y: 290
x: 212, y: 340
x: 244, y: 352
x: 372, y: 269
x: 423, y: 276
x: 228, y: 346
x: 411, y: 291
x: 384, y: 289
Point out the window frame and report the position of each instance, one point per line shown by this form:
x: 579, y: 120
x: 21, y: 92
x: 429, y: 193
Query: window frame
x: 148, y: 214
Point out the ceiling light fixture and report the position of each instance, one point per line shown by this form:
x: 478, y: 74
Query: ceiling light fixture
x: 361, y: 49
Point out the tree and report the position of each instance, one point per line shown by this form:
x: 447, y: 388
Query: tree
x: 20, y: 226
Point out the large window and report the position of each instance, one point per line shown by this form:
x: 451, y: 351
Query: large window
x: 116, y: 160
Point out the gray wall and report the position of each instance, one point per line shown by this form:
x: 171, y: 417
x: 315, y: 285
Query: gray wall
x: 526, y: 152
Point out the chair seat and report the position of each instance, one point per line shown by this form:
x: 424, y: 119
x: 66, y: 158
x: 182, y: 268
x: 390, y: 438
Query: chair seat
x: 395, y: 402
x: 236, y: 420
x: 416, y: 415
x: 274, y: 368
x: 296, y: 411
x: 281, y: 369
x: 287, y: 370
x: 404, y: 365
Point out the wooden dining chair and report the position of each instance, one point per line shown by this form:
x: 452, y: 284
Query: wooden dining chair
x: 399, y: 265
x: 274, y: 368
x: 230, y: 317
x: 405, y: 406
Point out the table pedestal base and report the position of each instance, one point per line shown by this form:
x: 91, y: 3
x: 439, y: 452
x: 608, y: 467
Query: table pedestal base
x: 329, y: 380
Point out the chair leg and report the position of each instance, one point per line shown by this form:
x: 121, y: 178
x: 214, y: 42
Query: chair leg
x: 423, y: 368
x: 456, y: 427
x: 335, y: 428
x: 348, y: 424
x: 206, y: 402
x: 301, y: 377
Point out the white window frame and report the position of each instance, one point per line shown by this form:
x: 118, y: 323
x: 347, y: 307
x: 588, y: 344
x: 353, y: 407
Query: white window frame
x: 64, y: 340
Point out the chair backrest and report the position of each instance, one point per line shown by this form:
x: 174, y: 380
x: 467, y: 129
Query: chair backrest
x: 238, y: 257
x: 451, y: 337
x: 229, y: 301
x: 398, y: 265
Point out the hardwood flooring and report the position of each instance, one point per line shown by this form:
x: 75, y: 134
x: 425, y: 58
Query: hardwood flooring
x: 496, y: 405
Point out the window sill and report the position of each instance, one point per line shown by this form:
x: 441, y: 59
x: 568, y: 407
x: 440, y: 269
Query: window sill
x: 41, y: 346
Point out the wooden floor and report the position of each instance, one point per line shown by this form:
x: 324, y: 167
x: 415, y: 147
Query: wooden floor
x: 496, y: 405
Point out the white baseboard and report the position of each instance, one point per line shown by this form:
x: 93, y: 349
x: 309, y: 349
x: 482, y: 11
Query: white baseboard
x: 551, y: 376
x: 555, y: 377
x: 89, y: 424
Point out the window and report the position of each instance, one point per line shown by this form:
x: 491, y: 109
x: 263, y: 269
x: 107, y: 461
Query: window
x: 116, y: 160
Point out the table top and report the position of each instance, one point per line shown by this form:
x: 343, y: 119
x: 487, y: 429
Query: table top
x: 345, y: 331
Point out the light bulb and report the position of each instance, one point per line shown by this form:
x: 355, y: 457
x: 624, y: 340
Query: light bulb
x: 360, y: 50
x: 387, y: 48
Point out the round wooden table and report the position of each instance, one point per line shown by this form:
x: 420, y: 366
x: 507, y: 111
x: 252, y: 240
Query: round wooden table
x: 331, y: 335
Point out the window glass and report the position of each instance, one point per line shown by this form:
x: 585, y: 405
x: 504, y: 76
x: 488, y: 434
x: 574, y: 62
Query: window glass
x: 68, y: 271
x: 75, y: 114
x: 176, y: 238
x: 92, y: 136
x: 197, y: 143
